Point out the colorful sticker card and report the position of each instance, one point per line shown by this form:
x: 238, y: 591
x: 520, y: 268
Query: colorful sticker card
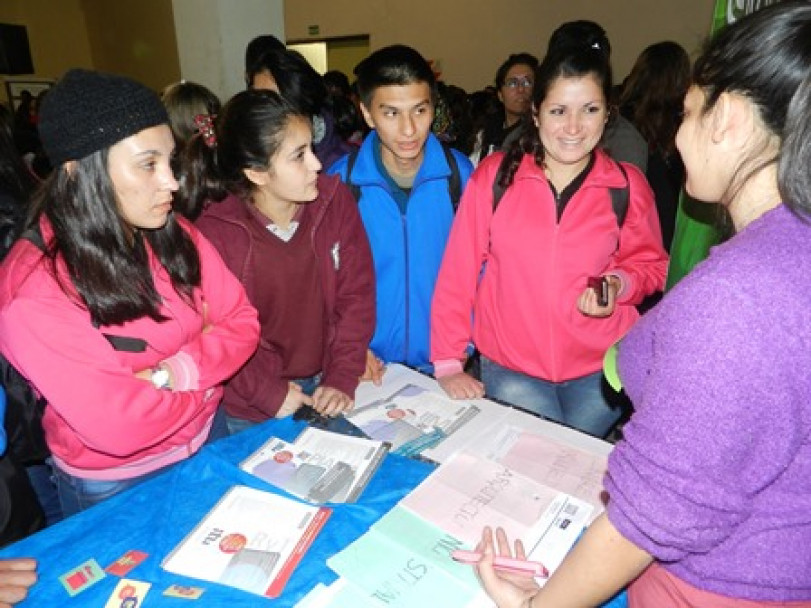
x: 128, y: 594
x: 126, y: 562
x: 81, y: 577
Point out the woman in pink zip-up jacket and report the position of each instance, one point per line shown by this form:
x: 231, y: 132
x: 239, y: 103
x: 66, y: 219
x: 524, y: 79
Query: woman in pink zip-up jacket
x: 123, y: 317
x: 515, y: 281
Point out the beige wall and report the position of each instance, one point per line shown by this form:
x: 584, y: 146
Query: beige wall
x: 470, y: 38
x: 135, y: 38
x: 57, y: 34
x: 122, y: 36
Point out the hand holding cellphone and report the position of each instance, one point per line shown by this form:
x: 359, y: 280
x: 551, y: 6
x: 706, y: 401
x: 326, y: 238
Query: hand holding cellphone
x: 600, y: 287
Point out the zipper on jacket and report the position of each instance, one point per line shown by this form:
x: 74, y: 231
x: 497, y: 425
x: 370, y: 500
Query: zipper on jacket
x: 407, y: 281
x: 555, y: 289
x: 558, y: 210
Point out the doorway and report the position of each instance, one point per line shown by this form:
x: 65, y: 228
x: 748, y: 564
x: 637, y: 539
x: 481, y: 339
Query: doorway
x: 341, y: 54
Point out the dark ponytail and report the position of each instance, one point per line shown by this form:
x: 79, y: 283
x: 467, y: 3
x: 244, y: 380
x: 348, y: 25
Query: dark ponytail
x: 247, y: 134
x: 198, y: 178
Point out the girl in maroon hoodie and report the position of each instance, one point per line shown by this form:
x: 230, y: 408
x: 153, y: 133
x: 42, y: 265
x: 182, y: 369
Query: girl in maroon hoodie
x: 295, y: 240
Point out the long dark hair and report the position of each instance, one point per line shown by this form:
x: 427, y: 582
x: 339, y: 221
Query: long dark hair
x: 794, y: 169
x: 296, y: 79
x: 568, y: 62
x: 653, y: 94
x: 764, y: 56
x: 106, y: 260
x: 249, y: 131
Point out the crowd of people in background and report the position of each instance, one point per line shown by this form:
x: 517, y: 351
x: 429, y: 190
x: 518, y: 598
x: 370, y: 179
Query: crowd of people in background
x: 300, y: 236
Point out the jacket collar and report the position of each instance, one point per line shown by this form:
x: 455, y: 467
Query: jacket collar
x: 605, y: 172
x: 365, y: 173
x: 233, y: 209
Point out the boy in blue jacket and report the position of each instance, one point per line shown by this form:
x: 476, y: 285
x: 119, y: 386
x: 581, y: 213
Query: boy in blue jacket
x: 403, y: 178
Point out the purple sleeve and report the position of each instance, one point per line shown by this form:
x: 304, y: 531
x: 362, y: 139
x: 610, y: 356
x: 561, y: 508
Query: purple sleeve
x: 715, y: 417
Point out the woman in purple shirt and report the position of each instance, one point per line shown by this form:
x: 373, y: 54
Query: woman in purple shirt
x: 710, y: 490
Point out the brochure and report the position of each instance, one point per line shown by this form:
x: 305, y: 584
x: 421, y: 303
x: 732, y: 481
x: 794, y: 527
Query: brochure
x: 319, y: 466
x: 412, y: 418
x: 553, y: 463
x: 469, y: 492
x: 250, y: 539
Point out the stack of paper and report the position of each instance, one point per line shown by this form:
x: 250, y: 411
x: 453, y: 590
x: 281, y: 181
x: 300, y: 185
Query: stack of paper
x: 405, y: 558
x: 411, y: 418
x: 251, y: 540
x: 319, y: 466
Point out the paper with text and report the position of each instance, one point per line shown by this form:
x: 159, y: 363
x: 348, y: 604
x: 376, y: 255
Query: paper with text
x: 552, y: 463
x: 319, y: 466
x: 404, y: 561
x: 251, y: 540
x: 411, y: 418
x: 469, y: 492
x: 476, y: 434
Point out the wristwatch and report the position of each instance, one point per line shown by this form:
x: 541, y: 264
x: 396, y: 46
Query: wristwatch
x: 160, y: 377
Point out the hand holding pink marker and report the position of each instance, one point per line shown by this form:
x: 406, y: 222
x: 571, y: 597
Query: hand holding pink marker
x: 505, y: 564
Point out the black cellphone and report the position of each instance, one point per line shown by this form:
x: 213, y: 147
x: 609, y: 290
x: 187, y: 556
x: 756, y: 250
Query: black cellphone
x: 338, y: 424
x: 600, y: 287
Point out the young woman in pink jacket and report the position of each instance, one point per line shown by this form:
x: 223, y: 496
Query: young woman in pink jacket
x: 122, y: 316
x: 515, y: 279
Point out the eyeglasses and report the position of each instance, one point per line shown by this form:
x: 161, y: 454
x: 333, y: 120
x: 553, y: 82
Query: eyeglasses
x: 514, y: 83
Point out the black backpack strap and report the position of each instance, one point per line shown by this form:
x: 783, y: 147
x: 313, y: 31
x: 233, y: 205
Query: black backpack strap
x: 498, y: 192
x: 455, y: 179
x: 34, y: 234
x: 24, y: 408
x: 350, y: 164
x: 620, y: 197
x: 126, y: 344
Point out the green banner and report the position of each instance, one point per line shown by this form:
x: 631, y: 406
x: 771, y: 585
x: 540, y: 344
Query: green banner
x: 696, y: 228
x: 696, y: 222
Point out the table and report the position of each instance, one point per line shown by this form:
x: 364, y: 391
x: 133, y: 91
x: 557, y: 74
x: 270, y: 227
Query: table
x: 154, y: 516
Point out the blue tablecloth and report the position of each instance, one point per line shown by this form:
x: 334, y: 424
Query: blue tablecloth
x: 156, y: 515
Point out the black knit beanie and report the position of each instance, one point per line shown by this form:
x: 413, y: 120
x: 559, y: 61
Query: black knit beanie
x: 88, y: 111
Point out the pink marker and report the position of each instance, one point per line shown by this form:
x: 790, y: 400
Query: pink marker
x: 505, y: 564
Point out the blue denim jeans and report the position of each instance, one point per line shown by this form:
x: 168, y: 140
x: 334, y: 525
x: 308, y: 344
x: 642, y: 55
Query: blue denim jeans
x: 308, y: 386
x: 582, y: 403
x: 79, y: 493
x: 43, y: 481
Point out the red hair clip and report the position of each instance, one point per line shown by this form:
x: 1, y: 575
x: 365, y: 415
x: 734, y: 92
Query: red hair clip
x: 205, y: 127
